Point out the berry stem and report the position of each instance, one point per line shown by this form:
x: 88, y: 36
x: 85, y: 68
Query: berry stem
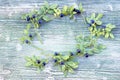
x: 35, y: 47
x: 38, y: 36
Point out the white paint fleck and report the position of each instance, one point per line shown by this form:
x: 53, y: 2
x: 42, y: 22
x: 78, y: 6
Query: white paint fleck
x: 104, y: 78
x: 47, y: 69
x: 50, y: 78
x: 18, y: 47
x: 0, y: 35
x: 115, y: 55
x: 98, y: 65
x: 1, y: 78
x: 110, y: 7
x: 5, y: 72
x: 10, y: 14
x: 7, y: 38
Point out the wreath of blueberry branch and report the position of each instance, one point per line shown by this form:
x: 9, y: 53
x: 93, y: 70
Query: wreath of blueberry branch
x: 86, y: 45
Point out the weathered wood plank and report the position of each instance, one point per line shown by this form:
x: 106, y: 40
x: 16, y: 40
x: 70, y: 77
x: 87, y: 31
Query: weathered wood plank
x: 58, y: 35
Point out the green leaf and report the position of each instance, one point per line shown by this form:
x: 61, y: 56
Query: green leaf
x: 106, y: 35
x: 108, y: 29
x: 88, y: 20
x: 27, y: 58
x: 99, y: 22
x: 46, y: 5
x: 64, y: 10
x: 112, y: 26
x: 70, y: 70
x: 93, y: 16
x: 111, y: 35
x: 80, y: 7
x: 54, y: 6
x: 46, y: 18
x: 28, y: 64
x: 71, y: 16
x: 50, y: 12
x: 24, y: 16
x: 74, y: 65
x: 96, y: 50
x: 71, y: 9
x: 63, y: 68
x: 99, y: 16
x: 26, y: 32
x: 42, y: 10
x: 66, y: 57
x: 28, y: 26
x: 100, y: 46
x: 22, y: 39
x: 91, y: 29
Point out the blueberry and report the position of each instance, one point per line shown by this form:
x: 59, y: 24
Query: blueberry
x: 44, y: 63
x: 55, y: 60
x: 40, y: 21
x: 86, y: 55
x: 30, y: 35
x: 78, y: 50
x: 71, y: 54
x: 38, y: 61
x: 61, y: 15
x: 56, y: 53
x: 28, y: 18
x: 92, y: 21
x: 33, y: 16
x: 103, y: 26
x: 89, y: 25
x: 77, y: 11
x: 26, y: 41
x: 61, y: 63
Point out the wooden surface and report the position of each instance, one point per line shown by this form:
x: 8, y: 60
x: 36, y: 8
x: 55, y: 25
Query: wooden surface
x: 57, y: 35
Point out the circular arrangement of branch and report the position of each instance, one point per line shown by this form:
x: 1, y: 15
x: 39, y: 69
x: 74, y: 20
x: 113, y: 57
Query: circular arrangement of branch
x: 86, y: 45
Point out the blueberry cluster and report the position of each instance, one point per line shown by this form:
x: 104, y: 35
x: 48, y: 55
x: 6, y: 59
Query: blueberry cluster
x: 38, y: 62
x: 27, y: 41
x: 91, y: 22
x: 28, y: 18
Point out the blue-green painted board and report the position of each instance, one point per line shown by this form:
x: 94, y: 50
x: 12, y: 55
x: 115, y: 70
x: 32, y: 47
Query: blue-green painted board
x: 58, y: 35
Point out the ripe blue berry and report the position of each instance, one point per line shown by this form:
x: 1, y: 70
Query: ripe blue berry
x: 78, y: 50
x: 56, y: 53
x: 26, y: 41
x: 62, y: 63
x: 30, y: 35
x: 86, y: 55
x: 38, y: 61
x: 89, y: 25
x: 28, y: 18
x: 40, y: 21
x: 55, y: 60
x: 77, y: 11
x: 44, y: 63
x: 62, y: 15
x: 71, y: 54
x: 92, y: 21
x: 33, y: 16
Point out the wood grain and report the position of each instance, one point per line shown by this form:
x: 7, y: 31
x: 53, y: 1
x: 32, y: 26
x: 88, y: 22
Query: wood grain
x: 58, y: 35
